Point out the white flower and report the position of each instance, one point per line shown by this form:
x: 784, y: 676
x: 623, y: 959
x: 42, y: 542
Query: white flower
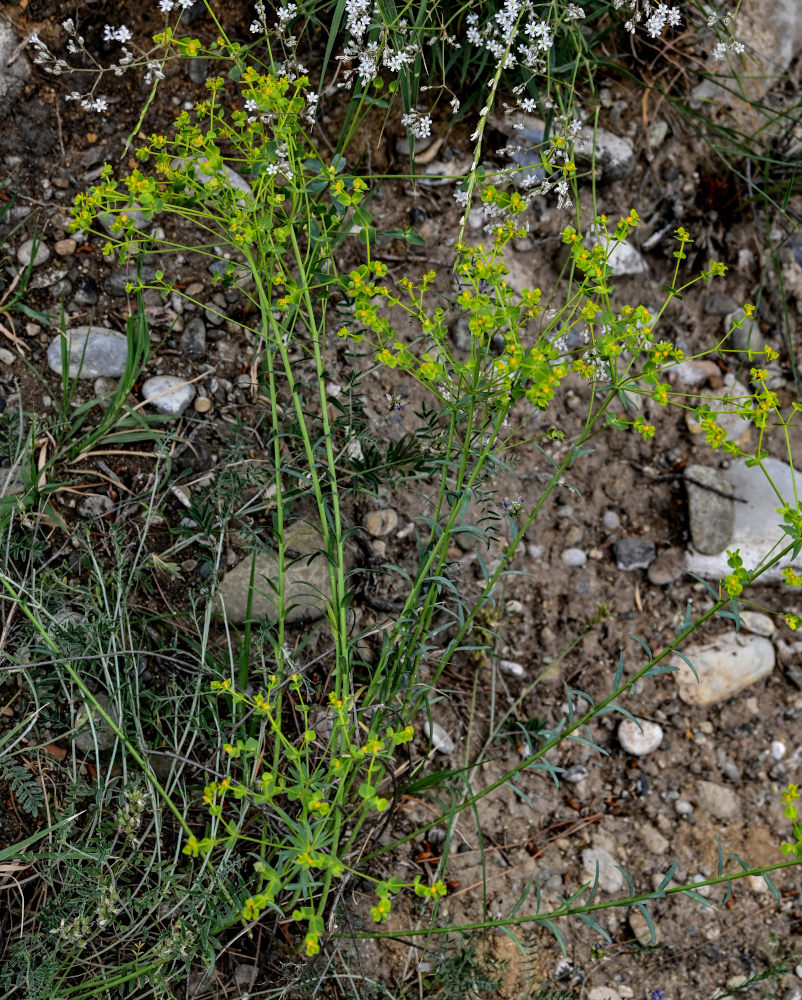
x: 455, y: 105
x: 720, y: 50
x: 121, y: 34
x: 165, y: 6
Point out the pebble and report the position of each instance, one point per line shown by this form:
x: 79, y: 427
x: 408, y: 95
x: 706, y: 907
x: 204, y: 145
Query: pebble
x: 202, y: 404
x: 658, y: 133
x: 726, y: 666
x: 640, y: 737
x: 168, y: 393
x: 6, y: 357
x: 719, y: 800
x: 683, y: 808
x: 574, y: 557
x: 667, y: 567
x: 193, y: 338
x: 611, y: 520
x: 26, y: 256
x: 610, y: 878
x: 640, y: 927
x: 511, y: 667
x: 93, y: 730
x: 441, y: 741
x: 754, y: 621
x: 65, y: 248
x: 86, y: 293
x: 777, y: 749
x: 114, y: 222
x: 711, y: 514
x: 695, y: 372
x: 116, y: 282
x: 104, y: 388
x: 755, y: 529
x: 575, y: 773
x: 634, y: 552
x: 237, y: 182
x: 381, y: 522
x: 198, y: 70
x: 92, y: 351
x: 746, y: 338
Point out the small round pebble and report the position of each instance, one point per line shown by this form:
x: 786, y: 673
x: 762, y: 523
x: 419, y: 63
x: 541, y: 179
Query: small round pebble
x: 777, y: 749
x: 574, y: 557
x: 441, y: 741
x: 683, y: 808
x: 381, y: 522
x: 65, y: 248
x: 511, y: 667
x: 25, y: 253
x: 639, y: 740
x: 202, y: 404
x: 168, y: 393
x: 611, y: 520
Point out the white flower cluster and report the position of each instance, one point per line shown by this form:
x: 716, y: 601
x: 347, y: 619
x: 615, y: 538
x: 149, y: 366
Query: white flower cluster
x: 166, y: 6
x: 259, y: 26
x: 515, y: 35
x: 121, y: 34
x: 417, y: 124
x: 655, y: 17
x: 733, y: 45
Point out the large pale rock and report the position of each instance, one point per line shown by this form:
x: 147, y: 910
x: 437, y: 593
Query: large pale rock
x: 168, y: 393
x: 723, y: 405
x: 92, y: 351
x: 756, y: 523
x: 610, y: 878
x: 725, y: 666
x: 13, y: 75
x: 208, y: 180
x: 719, y: 800
x: 307, y: 587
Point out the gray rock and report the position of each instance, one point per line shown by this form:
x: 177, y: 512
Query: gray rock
x: 639, y: 738
x: 511, y: 667
x: 93, y: 730
x: 710, y: 507
x: 95, y: 505
x: 634, y: 552
x: 86, y: 293
x: 116, y: 283
x: 667, y: 567
x: 13, y: 75
x: 441, y: 741
x: 91, y: 351
x: 575, y: 773
x: 198, y: 70
x: 746, y: 339
x: 614, y: 154
x: 168, y: 393
x: 574, y: 557
x: 193, y: 339
x: 610, y: 878
x: 719, y: 304
x: 658, y: 133
x: 307, y: 587
x: 461, y: 334
x: 683, y: 808
x: 724, y: 667
x: 611, y: 520
x: 11, y: 482
x: 756, y: 528
x: 104, y: 388
x: 26, y: 255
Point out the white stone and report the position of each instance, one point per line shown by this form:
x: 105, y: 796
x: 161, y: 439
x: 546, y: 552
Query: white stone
x: 91, y: 352
x: 208, y: 180
x: 511, y: 667
x: 574, y: 557
x: 441, y: 741
x: 26, y: 256
x: 610, y: 878
x: 625, y: 259
x: 777, y: 749
x: 719, y: 800
x: 168, y: 393
x: 603, y: 993
x: 724, y: 666
x: 641, y: 737
x: 13, y: 75
x: 381, y: 522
